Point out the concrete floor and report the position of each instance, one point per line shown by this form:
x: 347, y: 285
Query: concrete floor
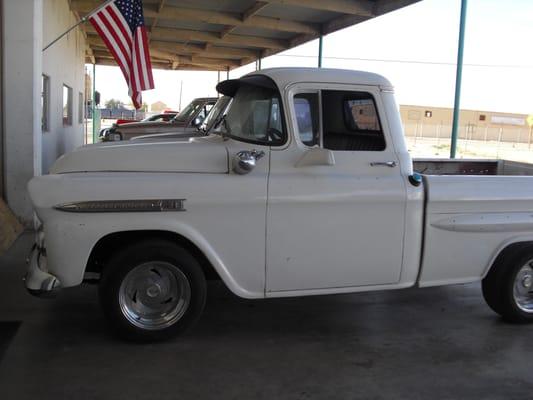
x: 440, y: 343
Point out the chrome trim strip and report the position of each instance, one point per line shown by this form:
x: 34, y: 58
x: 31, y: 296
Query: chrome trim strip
x: 102, y: 206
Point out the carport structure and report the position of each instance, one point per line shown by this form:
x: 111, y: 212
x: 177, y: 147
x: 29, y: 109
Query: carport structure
x: 221, y: 35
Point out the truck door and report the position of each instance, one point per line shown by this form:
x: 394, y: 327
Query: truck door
x: 336, y: 198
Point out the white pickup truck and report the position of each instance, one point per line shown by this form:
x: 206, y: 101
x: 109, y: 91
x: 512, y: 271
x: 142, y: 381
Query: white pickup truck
x: 303, y: 187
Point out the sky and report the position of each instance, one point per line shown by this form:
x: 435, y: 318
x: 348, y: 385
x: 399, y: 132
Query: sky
x: 414, y: 47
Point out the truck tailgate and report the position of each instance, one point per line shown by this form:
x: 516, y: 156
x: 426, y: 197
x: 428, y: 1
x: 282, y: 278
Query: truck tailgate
x: 468, y: 221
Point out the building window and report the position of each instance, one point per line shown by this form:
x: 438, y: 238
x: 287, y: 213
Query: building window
x: 67, y: 105
x: 45, y: 103
x: 482, y: 117
x: 428, y: 114
x: 80, y: 108
x: 413, y: 115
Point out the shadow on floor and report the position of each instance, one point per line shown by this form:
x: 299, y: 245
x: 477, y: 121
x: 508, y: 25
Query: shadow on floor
x: 8, y: 329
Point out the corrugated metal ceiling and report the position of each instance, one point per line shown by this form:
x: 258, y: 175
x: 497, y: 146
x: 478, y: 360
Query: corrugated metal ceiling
x: 225, y: 34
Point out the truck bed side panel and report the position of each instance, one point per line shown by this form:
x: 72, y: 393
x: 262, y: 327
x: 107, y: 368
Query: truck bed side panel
x: 469, y: 220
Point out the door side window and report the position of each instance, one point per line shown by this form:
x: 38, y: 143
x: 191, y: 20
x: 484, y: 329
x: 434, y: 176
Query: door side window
x: 307, y: 117
x: 351, y: 122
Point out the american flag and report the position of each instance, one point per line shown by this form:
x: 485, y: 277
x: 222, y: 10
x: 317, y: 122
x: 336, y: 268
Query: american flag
x: 120, y: 24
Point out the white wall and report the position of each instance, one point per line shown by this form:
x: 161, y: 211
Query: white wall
x: 28, y: 26
x: 64, y: 63
x: 22, y: 112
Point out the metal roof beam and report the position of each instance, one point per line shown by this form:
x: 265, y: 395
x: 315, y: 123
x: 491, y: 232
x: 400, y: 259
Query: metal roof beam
x: 257, y: 6
x: 156, y: 19
x: 187, y: 49
x: 354, y: 7
x: 172, y: 35
x: 250, y: 12
x: 171, y: 13
x: 384, y: 6
x: 186, y: 35
x: 161, y: 55
x: 167, y: 65
x: 199, y: 50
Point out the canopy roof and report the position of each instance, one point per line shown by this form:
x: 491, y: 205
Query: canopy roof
x: 226, y: 34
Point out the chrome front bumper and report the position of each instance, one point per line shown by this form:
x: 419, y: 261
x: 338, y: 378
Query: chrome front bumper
x: 37, y: 280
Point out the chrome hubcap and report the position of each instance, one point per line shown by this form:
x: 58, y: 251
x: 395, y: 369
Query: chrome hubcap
x: 154, y: 295
x: 153, y: 291
x: 523, y: 288
x: 527, y: 282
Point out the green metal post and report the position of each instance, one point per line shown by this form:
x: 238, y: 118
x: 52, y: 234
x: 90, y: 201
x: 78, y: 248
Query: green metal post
x: 458, y: 79
x: 93, y: 103
x: 320, y: 40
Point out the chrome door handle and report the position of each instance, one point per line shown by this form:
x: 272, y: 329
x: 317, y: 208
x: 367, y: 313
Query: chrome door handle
x: 390, y: 164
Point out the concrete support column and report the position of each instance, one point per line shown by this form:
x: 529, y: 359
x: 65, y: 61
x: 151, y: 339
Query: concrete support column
x: 22, y: 68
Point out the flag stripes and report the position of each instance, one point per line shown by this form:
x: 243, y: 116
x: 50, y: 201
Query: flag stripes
x: 120, y: 24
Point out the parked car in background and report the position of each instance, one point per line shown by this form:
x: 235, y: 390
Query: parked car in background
x: 212, y: 118
x: 187, y: 120
x: 304, y: 187
x: 164, y: 117
x: 121, y: 121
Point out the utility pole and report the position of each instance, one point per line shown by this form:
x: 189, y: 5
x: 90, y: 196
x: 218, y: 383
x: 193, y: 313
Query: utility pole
x: 320, y: 43
x: 93, y: 103
x: 181, y: 92
x: 458, y: 79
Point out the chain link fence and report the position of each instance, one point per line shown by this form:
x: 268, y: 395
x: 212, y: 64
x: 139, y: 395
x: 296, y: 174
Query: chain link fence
x: 433, y: 140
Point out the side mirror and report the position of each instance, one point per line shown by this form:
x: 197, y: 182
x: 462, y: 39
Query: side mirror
x: 316, y: 156
x: 245, y: 161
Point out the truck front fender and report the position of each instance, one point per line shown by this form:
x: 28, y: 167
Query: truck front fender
x: 72, y: 239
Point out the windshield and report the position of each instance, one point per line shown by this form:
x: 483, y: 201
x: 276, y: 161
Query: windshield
x: 188, y: 111
x: 254, y: 116
x: 217, y: 110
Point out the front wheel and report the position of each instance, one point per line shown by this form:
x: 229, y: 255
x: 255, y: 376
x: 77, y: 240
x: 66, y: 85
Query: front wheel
x: 152, y: 290
x: 508, y: 288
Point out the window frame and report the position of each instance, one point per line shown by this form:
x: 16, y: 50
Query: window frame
x: 318, y: 92
x: 81, y: 108
x: 372, y: 91
x: 45, y: 106
x: 285, y: 132
x: 67, y: 121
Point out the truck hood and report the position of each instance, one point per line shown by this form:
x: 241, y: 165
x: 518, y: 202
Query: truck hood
x: 203, y: 155
x: 149, y: 125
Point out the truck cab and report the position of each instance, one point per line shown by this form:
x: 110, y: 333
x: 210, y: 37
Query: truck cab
x: 332, y: 154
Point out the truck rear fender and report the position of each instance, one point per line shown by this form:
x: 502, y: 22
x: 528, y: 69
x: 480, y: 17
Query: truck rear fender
x: 507, y: 245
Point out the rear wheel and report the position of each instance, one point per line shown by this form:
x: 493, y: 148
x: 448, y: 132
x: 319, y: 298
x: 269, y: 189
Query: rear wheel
x: 508, y: 288
x: 152, y: 290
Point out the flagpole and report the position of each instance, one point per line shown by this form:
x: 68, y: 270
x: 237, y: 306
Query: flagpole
x: 81, y: 21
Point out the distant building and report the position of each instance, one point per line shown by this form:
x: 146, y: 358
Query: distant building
x: 425, y: 121
x: 158, y: 106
